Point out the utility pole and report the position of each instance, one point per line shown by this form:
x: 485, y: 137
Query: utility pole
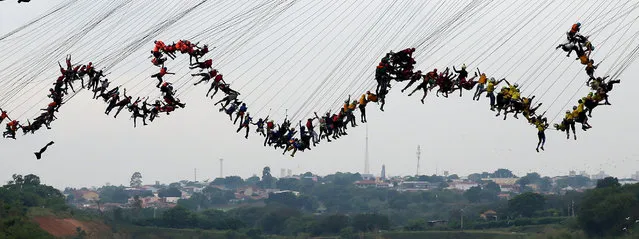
x: 419, y: 155
x: 462, y: 219
x: 195, y: 175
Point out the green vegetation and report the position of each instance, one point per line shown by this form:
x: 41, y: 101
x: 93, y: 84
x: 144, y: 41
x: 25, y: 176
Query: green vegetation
x: 334, y: 207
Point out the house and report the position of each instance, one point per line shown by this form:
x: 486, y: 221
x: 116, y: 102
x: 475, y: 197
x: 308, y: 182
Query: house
x: 365, y: 184
x: 489, y: 215
x: 462, y: 186
x: 504, y: 196
x: 251, y: 192
x: 90, y: 195
x: 132, y: 192
x: 437, y: 223
x: 171, y: 199
x: 368, y: 177
x: 297, y: 194
x: 416, y: 186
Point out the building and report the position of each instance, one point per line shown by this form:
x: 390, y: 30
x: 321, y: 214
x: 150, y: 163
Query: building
x: 462, y: 186
x: 636, y: 176
x: 416, y: 186
x: 489, y: 215
x: 600, y: 175
x: 367, y: 176
x: 383, y: 172
x: 572, y: 173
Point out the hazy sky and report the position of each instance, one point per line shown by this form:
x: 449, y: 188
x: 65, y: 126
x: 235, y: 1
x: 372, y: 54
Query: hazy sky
x: 278, y: 61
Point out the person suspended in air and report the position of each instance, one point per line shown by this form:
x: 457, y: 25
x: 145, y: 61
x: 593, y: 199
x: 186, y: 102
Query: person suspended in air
x: 162, y: 73
x: 21, y: 1
x: 3, y: 115
x: 113, y: 100
x: 260, y: 126
x: 200, y: 52
x: 362, y: 108
x: 541, y: 124
x: 137, y: 112
x: 11, y: 129
x: 305, y: 137
x: 569, y: 123
x: 232, y: 107
x: 323, y: 128
x: 94, y: 80
x: 39, y: 153
x: 99, y: 91
x: 270, y: 131
x: 56, y: 97
x: 311, y: 131
x: 158, y: 61
x: 481, y: 85
x: 208, y: 64
x: 81, y: 73
x: 240, y: 113
x: 206, y: 76
x: 574, y: 29
x: 170, y: 50
x: 218, y: 82
x: 428, y: 79
x: 245, y: 123
x: 461, y: 77
x: 445, y: 83
x: 580, y: 115
x: 503, y: 101
x: 227, y: 99
x: 569, y: 48
x: 122, y: 103
x: 490, y: 89
x: 414, y: 78
x: 529, y: 111
x: 590, y: 69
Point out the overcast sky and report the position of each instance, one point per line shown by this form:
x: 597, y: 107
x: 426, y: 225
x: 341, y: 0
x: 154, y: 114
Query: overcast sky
x: 279, y: 58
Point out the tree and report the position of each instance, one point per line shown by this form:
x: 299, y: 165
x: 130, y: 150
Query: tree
x: 136, y: 180
x: 370, y: 222
x: 604, y: 210
x: 608, y: 182
x: 333, y: 224
x: 267, y: 180
x: 503, y: 173
x: 453, y: 177
x: 179, y: 217
x: 254, y: 180
x: 473, y: 194
x: 492, y: 186
x: 526, y: 204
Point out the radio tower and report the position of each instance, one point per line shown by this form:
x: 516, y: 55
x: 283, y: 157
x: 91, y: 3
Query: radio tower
x: 366, y: 163
x: 419, y: 155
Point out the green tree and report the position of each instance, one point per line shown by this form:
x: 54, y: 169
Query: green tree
x: 333, y: 224
x: 253, y: 180
x: 604, y: 210
x: 136, y: 180
x: 370, y: 222
x: 608, y: 182
x: 267, y: 180
x: 503, y: 173
x: 526, y: 204
x: 473, y: 194
x: 179, y: 217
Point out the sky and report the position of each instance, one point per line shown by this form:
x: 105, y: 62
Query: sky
x: 308, y: 57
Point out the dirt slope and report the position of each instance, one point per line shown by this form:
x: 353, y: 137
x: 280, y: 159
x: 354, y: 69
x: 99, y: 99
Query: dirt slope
x: 67, y: 227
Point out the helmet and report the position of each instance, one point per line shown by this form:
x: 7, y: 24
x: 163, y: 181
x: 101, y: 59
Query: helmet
x: 435, y: 70
x: 516, y: 85
x: 368, y: 92
x: 574, y: 107
x: 492, y: 79
x: 578, y: 24
x: 567, y: 111
x: 464, y: 66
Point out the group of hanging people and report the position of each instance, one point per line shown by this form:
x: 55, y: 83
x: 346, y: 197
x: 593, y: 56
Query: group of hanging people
x: 599, y: 86
x: 394, y: 66
x: 506, y: 100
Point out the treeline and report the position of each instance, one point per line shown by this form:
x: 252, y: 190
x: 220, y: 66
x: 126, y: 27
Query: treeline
x: 16, y: 197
